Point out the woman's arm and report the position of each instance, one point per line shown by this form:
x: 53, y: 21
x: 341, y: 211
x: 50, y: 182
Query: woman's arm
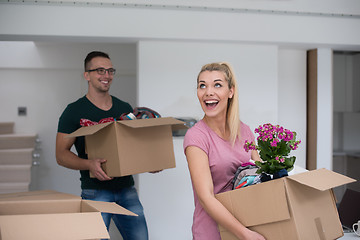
x: 255, y: 155
x: 203, y: 185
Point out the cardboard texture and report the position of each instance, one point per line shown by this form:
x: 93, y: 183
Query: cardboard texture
x: 16, y: 156
x: 16, y: 141
x: 297, y: 207
x: 6, y: 127
x: 53, y: 215
x: 14, y: 187
x: 132, y: 146
x: 15, y: 173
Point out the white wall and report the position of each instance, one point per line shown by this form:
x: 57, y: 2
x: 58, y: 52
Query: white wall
x: 324, y: 153
x: 173, y: 66
x: 292, y: 97
x: 47, y: 21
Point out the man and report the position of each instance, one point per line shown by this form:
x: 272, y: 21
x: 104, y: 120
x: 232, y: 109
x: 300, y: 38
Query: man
x: 98, y: 104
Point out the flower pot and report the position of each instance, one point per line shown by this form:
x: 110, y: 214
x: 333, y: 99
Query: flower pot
x: 265, y: 177
x: 280, y: 174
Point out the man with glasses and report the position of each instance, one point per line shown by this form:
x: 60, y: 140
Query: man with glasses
x: 98, y: 104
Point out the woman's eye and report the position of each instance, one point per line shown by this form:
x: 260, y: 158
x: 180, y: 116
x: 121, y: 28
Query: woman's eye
x: 201, y: 85
x: 217, y: 85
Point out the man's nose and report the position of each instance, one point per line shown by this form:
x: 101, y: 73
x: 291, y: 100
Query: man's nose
x: 107, y: 73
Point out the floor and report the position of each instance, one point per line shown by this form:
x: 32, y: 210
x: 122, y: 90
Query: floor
x: 350, y: 236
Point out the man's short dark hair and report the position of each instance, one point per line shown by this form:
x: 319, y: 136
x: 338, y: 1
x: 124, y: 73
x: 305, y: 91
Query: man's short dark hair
x: 92, y: 55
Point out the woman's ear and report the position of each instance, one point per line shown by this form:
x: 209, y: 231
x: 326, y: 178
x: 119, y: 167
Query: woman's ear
x: 231, y: 94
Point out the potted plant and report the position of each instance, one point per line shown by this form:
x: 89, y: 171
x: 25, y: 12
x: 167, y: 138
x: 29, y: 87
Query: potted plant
x: 274, y: 145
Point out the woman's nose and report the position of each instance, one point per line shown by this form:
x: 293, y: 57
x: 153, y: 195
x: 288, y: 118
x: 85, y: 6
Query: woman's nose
x: 209, y: 91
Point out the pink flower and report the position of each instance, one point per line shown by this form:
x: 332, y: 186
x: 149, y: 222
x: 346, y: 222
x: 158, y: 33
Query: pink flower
x: 274, y: 143
x: 280, y: 159
x: 295, y: 145
x: 249, y: 146
x: 289, y: 135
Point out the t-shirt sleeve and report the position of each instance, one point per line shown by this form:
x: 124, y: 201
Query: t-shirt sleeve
x: 68, y: 123
x: 246, y: 133
x: 197, y: 138
x: 122, y: 106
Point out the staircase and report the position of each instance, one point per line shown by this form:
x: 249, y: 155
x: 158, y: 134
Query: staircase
x: 16, y: 157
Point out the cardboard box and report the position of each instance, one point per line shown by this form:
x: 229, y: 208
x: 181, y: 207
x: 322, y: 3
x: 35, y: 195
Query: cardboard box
x: 15, y: 173
x: 297, y: 207
x: 21, y: 156
x: 53, y: 215
x: 16, y: 141
x: 14, y: 187
x: 132, y: 146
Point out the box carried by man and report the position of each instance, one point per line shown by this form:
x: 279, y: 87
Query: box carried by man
x: 132, y: 146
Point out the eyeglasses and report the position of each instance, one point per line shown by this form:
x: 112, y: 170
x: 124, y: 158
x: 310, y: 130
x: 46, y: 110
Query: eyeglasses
x: 102, y: 71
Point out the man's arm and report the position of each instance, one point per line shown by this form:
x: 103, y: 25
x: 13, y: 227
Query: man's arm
x: 66, y: 158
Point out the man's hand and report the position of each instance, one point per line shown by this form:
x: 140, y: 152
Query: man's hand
x: 156, y: 171
x: 96, y: 170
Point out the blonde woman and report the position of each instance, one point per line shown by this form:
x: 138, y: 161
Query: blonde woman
x: 214, y: 150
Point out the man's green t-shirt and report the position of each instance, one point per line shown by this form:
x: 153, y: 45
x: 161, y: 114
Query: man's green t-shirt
x: 69, y: 122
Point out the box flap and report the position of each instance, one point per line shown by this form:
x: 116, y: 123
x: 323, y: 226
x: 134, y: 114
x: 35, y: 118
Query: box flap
x: 36, y: 195
x: 321, y: 179
x: 109, y: 207
x: 151, y: 122
x: 257, y: 204
x: 89, y: 130
x: 67, y: 226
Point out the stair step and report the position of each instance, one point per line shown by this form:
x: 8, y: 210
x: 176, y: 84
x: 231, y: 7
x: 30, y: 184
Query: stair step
x: 16, y: 156
x: 14, y: 187
x: 15, y: 173
x: 15, y: 141
x: 6, y: 127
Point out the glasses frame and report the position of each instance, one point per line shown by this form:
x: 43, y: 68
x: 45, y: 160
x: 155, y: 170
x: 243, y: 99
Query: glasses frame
x: 98, y: 70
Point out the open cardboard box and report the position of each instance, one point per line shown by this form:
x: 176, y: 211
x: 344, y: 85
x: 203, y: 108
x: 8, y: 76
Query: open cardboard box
x: 297, y: 207
x: 132, y: 146
x: 53, y: 215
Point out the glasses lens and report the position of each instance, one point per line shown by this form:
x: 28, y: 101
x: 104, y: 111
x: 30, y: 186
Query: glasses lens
x: 111, y: 71
x: 101, y: 71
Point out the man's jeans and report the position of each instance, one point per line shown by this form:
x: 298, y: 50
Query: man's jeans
x: 130, y: 227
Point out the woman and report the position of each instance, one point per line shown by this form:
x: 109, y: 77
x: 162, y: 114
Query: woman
x: 214, y: 150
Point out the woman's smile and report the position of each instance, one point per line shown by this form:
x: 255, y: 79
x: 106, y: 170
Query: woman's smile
x: 211, y: 104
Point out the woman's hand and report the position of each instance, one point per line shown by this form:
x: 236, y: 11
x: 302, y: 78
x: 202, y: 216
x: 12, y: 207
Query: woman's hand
x: 251, y: 235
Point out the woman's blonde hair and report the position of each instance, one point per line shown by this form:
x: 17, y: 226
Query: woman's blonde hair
x: 232, y: 115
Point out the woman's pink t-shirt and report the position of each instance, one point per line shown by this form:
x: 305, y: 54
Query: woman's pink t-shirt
x: 224, y: 160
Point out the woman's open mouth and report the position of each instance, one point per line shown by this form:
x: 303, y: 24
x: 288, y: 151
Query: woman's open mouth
x: 211, y: 103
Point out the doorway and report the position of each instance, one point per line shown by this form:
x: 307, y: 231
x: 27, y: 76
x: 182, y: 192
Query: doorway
x: 346, y: 118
